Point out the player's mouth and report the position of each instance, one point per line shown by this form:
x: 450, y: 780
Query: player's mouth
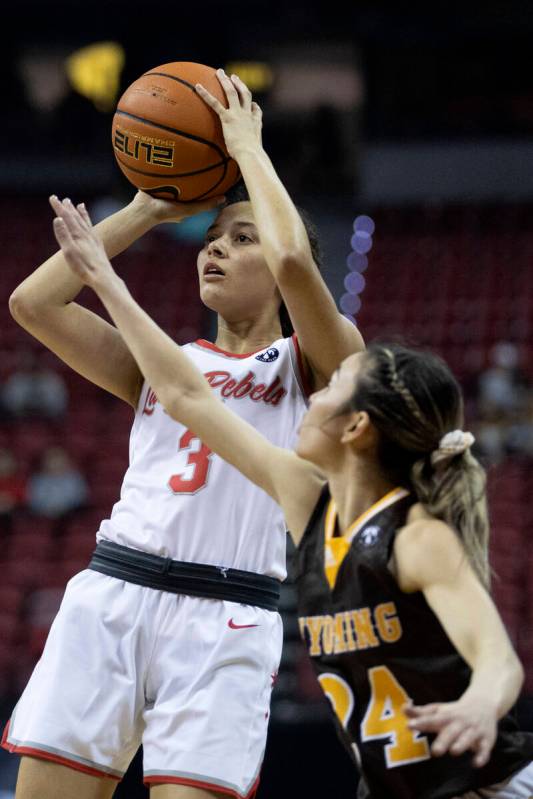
x: 213, y: 272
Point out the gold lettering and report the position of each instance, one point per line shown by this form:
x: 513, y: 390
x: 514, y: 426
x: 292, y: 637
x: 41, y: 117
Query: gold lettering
x: 327, y: 634
x: 351, y: 643
x: 387, y: 622
x: 364, y: 631
x: 340, y: 637
x: 314, y: 625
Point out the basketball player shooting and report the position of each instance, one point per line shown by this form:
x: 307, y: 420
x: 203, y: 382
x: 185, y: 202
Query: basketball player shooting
x: 171, y: 637
x: 387, y: 506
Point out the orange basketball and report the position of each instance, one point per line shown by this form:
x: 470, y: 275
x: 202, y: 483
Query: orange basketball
x: 167, y: 141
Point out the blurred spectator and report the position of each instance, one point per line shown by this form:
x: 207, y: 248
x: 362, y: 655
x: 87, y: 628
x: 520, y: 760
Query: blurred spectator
x: 12, y: 488
x: 505, y: 407
x: 58, y: 487
x: 502, y: 387
x: 34, y: 389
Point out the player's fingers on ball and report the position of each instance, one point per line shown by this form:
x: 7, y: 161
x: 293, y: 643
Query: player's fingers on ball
x: 208, y: 98
x: 244, y: 92
x: 231, y: 92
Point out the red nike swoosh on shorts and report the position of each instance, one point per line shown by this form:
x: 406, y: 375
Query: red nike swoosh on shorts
x: 233, y: 626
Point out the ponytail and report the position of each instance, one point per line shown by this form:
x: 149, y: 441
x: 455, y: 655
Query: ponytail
x: 454, y: 492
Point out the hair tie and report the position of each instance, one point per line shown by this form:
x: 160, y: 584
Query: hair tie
x: 453, y: 443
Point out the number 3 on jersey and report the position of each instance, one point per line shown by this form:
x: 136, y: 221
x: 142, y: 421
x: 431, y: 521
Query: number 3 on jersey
x: 195, y: 471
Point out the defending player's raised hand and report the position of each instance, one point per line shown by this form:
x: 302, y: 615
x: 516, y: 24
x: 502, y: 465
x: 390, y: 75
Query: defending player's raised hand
x: 468, y: 724
x: 80, y: 244
x: 243, y: 119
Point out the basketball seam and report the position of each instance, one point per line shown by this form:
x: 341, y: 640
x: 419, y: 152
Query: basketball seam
x: 171, y: 77
x: 171, y: 175
x: 174, y: 130
x: 224, y: 173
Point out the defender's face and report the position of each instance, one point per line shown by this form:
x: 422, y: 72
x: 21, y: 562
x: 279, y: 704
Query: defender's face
x: 235, y: 280
x: 322, y: 426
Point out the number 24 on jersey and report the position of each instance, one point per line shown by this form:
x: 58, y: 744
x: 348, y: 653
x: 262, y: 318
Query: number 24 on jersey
x: 384, y: 717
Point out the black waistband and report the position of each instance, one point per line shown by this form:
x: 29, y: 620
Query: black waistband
x: 178, y: 577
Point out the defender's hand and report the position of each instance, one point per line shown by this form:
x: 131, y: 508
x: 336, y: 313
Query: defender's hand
x: 242, y: 120
x: 468, y: 724
x: 83, y: 250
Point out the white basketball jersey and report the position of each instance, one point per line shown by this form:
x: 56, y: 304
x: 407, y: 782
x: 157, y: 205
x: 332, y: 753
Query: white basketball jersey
x: 180, y: 500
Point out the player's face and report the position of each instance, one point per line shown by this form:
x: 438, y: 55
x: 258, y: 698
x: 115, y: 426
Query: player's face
x: 322, y: 426
x: 235, y: 280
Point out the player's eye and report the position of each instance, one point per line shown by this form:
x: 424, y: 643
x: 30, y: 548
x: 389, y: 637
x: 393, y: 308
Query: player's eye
x: 243, y: 238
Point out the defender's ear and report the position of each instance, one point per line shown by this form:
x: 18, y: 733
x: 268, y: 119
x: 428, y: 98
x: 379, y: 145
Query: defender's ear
x: 357, y: 430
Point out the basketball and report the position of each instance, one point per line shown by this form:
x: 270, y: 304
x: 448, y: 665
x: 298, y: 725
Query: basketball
x: 167, y: 141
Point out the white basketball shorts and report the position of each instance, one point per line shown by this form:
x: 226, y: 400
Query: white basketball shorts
x: 518, y: 786
x: 188, y: 678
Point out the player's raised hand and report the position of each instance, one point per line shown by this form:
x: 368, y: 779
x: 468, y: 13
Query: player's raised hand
x: 81, y: 246
x: 470, y: 724
x: 242, y: 120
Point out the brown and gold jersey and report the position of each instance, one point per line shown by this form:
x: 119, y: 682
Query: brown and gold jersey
x: 375, y: 647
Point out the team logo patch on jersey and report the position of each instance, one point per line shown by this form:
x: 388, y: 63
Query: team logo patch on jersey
x: 272, y: 354
x: 369, y: 536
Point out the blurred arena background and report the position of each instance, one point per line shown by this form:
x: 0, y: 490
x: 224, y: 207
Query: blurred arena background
x: 421, y: 118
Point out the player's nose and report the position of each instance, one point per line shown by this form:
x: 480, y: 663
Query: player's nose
x: 217, y: 248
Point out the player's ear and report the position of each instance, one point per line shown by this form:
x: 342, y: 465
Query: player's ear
x: 358, y: 430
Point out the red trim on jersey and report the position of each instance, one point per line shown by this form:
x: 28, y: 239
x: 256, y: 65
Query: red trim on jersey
x: 209, y: 346
x: 42, y: 755
x: 3, y: 742
x: 209, y: 786
x: 304, y: 372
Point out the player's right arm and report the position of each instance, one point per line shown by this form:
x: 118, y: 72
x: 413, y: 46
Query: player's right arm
x: 181, y: 388
x: 44, y: 303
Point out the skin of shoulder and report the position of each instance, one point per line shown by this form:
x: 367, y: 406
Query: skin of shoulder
x: 426, y: 552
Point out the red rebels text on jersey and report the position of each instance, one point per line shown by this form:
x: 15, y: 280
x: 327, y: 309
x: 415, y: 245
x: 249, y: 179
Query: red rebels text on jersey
x: 229, y: 387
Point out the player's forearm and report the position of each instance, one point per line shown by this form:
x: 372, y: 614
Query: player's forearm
x: 53, y: 284
x: 170, y: 373
x: 283, y: 235
x: 497, y: 678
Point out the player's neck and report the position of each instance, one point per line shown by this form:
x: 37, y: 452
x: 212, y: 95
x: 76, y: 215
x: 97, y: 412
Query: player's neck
x: 247, y: 335
x: 355, y: 488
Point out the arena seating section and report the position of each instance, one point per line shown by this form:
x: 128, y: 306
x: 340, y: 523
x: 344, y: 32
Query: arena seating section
x: 455, y: 279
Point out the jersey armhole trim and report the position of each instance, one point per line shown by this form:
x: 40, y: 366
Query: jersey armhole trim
x: 301, y: 371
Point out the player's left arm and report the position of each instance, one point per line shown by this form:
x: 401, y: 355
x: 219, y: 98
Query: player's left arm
x: 325, y: 336
x: 429, y: 557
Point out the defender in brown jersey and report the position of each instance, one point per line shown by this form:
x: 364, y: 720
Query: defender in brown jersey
x: 387, y: 505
